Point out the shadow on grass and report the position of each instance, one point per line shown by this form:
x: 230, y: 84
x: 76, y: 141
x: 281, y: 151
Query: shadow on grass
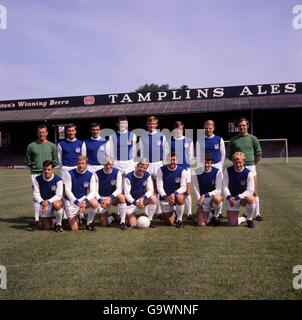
x: 22, y: 223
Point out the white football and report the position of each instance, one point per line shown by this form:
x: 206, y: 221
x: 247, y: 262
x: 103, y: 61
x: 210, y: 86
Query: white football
x: 143, y: 222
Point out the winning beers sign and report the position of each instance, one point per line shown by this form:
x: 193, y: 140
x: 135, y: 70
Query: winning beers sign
x: 157, y: 96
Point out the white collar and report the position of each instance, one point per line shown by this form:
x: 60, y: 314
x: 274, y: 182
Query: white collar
x: 71, y: 140
x: 48, y: 179
x: 212, y: 136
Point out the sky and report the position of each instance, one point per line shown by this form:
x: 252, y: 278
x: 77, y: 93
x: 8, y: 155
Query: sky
x: 56, y: 48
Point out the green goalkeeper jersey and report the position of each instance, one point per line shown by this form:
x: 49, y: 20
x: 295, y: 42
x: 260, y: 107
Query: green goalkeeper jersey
x: 37, y: 153
x: 248, y: 144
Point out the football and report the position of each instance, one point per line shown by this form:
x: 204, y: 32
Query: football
x: 143, y: 222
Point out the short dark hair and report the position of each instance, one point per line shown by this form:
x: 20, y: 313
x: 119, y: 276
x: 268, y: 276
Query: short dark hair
x: 48, y: 163
x: 70, y: 125
x: 178, y: 124
x: 209, y: 157
x: 243, y: 119
x: 42, y: 126
x: 122, y: 119
x: 95, y: 124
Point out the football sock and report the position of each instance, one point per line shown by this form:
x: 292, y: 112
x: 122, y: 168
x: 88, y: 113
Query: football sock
x: 250, y: 208
x: 257, y: 207
x: 150, y: 209
x: 64, y: 211
x: 36, y: 210
x: 110, y: 219
x: 158, y: 207
x: 210, y: 216
x: 220, y: 209
x: 188, y: 203
x: 217, y: 209
x: 91, y: 215
x: 180, y: 211
x: 122, y: 208
x: 58, y: 215
x: 81, y: 215
x: 240, y: 220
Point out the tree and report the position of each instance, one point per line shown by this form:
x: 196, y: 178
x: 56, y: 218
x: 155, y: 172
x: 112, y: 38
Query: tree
x: 155, y: 87
x: 152, y: 87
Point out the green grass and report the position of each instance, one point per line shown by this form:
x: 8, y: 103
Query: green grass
x: 163, y: 263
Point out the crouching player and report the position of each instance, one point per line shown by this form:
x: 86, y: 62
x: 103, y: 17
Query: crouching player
x: 208, y: 187
x: 48, y: 192
x: 108, y: 191
x: 238, y: 188
x: 77, y: 184
x: 171, y: 186
x: 139, y: 193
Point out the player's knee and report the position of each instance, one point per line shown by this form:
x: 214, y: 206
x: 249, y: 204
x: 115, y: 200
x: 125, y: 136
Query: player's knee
x: 250, y: 199
x: 103, y: 219
x: 132, y: 221
x: 217, y: 199
x: 121, y: 198
x: 153, y: 199
x: 179, y: 199
x: 93, y: 203
x: 58, y: 205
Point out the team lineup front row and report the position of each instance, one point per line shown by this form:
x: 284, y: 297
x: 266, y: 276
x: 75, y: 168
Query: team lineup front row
x: 136, y: 190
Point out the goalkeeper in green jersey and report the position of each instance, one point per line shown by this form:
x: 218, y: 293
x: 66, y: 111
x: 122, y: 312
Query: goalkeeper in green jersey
x: 36, y: 153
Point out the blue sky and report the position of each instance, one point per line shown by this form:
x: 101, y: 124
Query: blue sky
x: 79, y: 47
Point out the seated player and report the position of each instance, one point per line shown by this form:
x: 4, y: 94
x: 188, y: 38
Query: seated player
x: 238, y: 188
x: 171, y: 186
x: 139, y: 193
x: 48, y: 192
x: 108, y: 192
x: 77, y: 184
x: 208, y: 186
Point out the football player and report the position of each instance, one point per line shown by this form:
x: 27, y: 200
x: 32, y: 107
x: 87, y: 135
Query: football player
x: 139, y: 193
x: 123, y: 147
x: 171, y: 186
x: 238, y: 188
x: 108, y: 192
x: 80, y: 186
x: 95, y: 148
x: 153, y: 146
x: 207, y: 182
x: 184, y: 151
x: 48, y: 192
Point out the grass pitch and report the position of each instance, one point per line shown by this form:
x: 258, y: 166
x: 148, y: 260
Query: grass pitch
x: 164, y: 263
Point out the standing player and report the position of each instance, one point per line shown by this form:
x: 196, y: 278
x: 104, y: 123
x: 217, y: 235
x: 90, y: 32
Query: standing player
x: 95, y: 148
x: 139, y: 193
x: 207, y: 182
x: 171, y: 186
x: 48, y: 192
x: 36, y: 153
x: 238, y: 188
x: 68, y: 151
x: 184, y: 151
x: 80, y: 186
x: 123, y: 147
x: 249, y: 145
x: 108, y: 192
x: 153, y: 146
x: 213, y: 145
